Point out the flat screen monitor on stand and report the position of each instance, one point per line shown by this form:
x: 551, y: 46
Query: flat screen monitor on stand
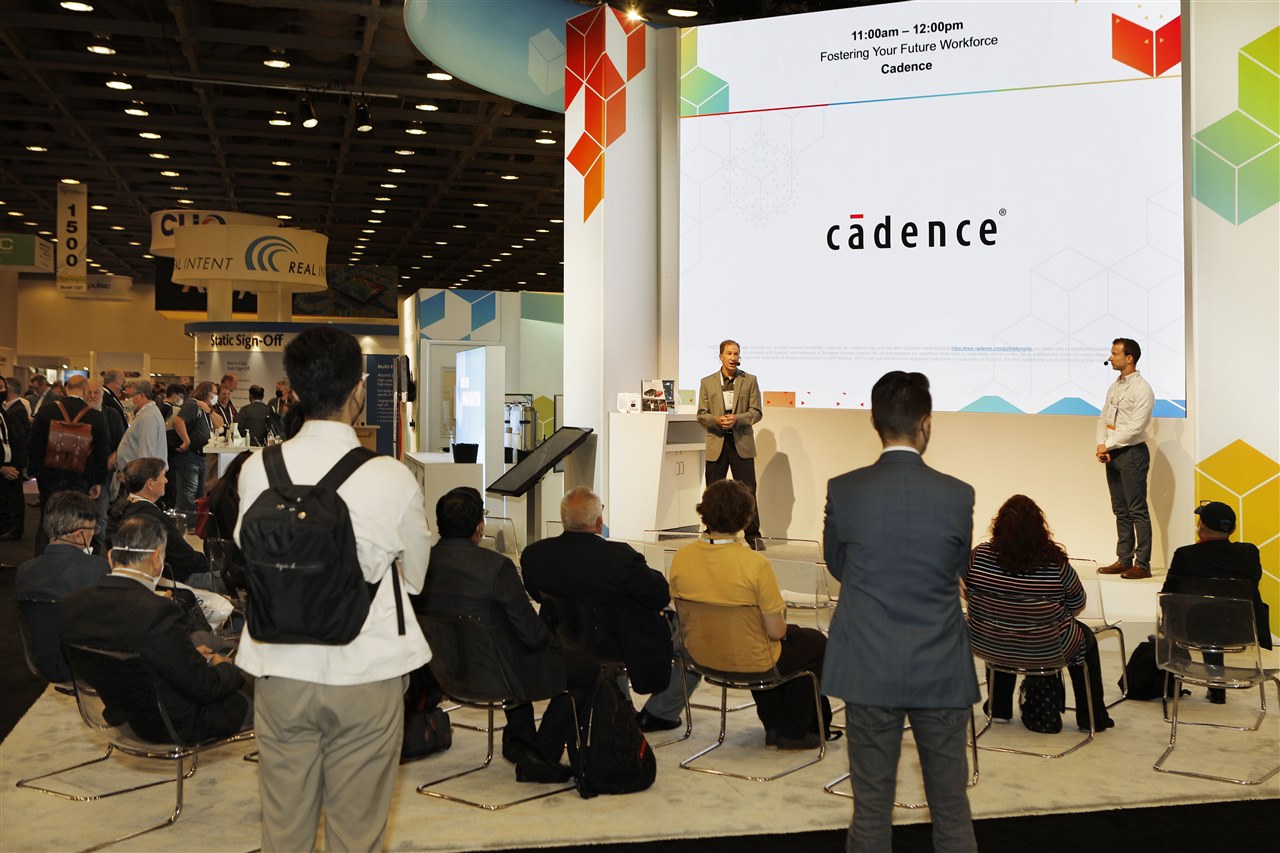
x: 522, y: 478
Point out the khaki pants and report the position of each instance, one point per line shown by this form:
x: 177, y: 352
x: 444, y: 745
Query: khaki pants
x: 335, y: 748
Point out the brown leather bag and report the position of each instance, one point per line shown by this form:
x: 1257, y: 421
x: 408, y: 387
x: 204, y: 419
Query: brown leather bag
x: 69, y: 442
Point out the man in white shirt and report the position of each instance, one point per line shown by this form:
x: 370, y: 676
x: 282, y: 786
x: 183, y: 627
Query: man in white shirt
x: 1122, y: 448
x: 330, y: 718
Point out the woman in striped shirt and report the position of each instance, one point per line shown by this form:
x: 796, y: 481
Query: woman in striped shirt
x: 1021, y: 561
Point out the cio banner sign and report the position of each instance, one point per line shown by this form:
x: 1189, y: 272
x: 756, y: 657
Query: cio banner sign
x: 165, y: 223
x: 250, y: 257
x: 73, y: 230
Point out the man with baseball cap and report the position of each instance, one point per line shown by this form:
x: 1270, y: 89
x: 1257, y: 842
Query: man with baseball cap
x: 1214, y: 556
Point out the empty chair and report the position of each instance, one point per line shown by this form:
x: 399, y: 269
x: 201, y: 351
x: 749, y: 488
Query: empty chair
x: 116, y: 674
x: 472, y: 670
x: 1221, y: 632
x: 727, y: 645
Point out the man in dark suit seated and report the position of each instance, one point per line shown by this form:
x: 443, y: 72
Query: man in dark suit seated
x: 1216, y: 565
x: 144, y: 481
x: 464, y: 579
x: 201, y: 690
x: 579, y: 565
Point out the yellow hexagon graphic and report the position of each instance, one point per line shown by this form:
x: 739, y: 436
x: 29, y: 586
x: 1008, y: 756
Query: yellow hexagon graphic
x: 1239, y: 467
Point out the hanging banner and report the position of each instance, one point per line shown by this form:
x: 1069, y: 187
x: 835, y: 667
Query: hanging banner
x: 250, y: 257
x: 25, y: 253
x: 73, y: 236
x: 106, y: 288
x: 164, y: 224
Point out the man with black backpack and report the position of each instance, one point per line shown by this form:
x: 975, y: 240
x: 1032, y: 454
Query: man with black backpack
x: 330, y: 632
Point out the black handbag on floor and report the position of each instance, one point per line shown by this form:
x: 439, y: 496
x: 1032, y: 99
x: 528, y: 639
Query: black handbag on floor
x: 1041, y: 701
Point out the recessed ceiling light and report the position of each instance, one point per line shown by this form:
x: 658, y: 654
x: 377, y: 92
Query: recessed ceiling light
x: 134, y: 243
x: 522, y: 282
x: 368, y: 230
x: 441, y: 76
x: 283, y: 193
x: 45, y: 233
x: 185, y: 201
x: 179, y: 189
x: 353, y: 260
x: 39, y: 149
x: 117, y: 227
x: 362, y: 238
x: 377, y: 210
x: 383, y: 198
x: 147, y: 134
x: 505, y: 254
x: 486, y: 266
x: 102, y: 46
x: 404, y: 276
x: 478, y: 204
x: 677, y: 12
x: 516, y: 246
x: 70, y: 181
x: 415, y: 268
x: 32, y: 224
x: 149, y: 257
x: 14, y: 212
x: 441, y: 243
x: 510, y: 177
x: 404, y: 152
x: 496, y: 260
x: 276, y: 59
x: 426, y: 108
x: 279, y: 119
x: 529, y: 239
x: 97, y: 207
x: 388, y: 186
x: 156, y: 155
x: 118, y: 81
x: 74, y: 6
x: 170, y: 173
x: 375, y: 221
x: 396, y: 170
x: 281, y: 163
x: 136, y: 108
x: 428, y: 257
x: 540, y: 273
x: 557, y: 221
x: 545, y: 140
x: 542, y: 231
x: 415, y: 129
x: 459, y: 226
x: 283, y: 216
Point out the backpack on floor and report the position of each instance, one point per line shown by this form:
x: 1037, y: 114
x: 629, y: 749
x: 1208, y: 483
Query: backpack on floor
x: 427, y: 728
x: 1146, y: 680
x: 304, y: 577
x: 1041, y: 701
x: 616, y: 759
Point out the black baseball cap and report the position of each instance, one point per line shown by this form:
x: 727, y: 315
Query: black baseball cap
x: 1217, y: 516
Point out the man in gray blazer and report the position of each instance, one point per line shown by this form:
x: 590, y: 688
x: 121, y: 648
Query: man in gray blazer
x: 897, y: 537
x: 728, y: 404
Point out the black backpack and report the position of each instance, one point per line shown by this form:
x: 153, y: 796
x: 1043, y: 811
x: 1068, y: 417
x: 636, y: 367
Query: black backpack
x: 616, y: 758
x: 1041, y: 701
x: 304, y: 578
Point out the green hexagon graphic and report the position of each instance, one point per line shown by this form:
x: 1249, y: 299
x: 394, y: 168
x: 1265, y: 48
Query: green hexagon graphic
x: 701, y: 92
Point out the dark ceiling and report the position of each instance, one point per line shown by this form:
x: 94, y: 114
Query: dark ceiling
x: 476, y: 195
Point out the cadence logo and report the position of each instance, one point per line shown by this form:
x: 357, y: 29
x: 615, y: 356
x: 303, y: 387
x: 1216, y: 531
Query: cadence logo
x: 260, y: 256
x: 909, y: 234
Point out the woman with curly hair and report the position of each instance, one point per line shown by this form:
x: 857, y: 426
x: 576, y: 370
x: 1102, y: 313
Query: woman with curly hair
x: 1022, y: 560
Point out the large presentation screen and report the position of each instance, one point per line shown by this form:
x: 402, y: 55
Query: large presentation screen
x: 989, y: 193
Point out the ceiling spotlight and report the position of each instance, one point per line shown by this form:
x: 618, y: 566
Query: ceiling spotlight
x: 281, y: 163
x: 283, y: 193
x: 545, y: 140
x: 97, y: 207
x: 383, y: 198
x: 69, y: 181
x: 377, y: 210
x: 179, y: 189
x: 388, y: 186
x: 170, y: 173
x: 156, y: 155
x: 442, y: 76
x: 118, y: 81
x: 459, y: 226
x: 404, y: 152
x: 117, y: 227
x: 478, y: 204
x: 136, y: 108
x: 510, y: 177
x: 283, y: 216
x: 185, y: 201
x: 134, y: 243
x: 276, y: 59
x: 37, y: 148
x: 633, y: 14
x: 556, y: 221
x: 395, y: 170
x: 364, y: 122
x: 415, y: 129
x: 73, y: 6
x: 375, y: 221
x: 677, y: 12
x: 368, y: 231
x: 426, y: 108
x: 307, y: 113
x: 279, y: 119
x: 101, y: 45
x: 147, y: 134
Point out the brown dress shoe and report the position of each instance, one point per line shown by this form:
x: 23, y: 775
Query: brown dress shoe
x: 1136, y: 573
x: 1114, y: 569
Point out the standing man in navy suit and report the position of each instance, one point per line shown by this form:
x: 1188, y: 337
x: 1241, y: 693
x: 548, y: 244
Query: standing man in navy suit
x: 728, y: 404
x: 897, y: 537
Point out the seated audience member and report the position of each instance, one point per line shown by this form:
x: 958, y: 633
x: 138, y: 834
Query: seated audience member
x: 200, y: 689
x: 1021, y: 559
x: 254, y: 420
x: 67, y: 563
x: 144, y: 482
x: 579, y: 565
x: 464, y: 579
x: 720, y: 569
x: 1214, y: 556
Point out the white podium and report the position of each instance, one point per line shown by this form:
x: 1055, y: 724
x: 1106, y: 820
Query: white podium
x: 655, y: 472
